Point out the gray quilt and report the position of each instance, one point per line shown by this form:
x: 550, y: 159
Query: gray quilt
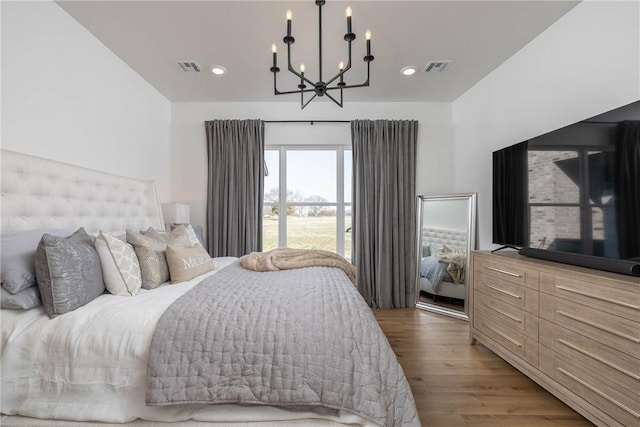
x: 299, y: 339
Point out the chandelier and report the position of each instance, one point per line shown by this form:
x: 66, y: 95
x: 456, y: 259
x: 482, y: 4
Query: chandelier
x: 321, y: 87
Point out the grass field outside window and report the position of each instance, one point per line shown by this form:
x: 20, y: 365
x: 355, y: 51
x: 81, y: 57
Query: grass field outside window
x: 306, y: 232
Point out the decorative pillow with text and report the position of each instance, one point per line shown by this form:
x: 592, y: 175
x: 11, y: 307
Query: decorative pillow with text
x: 187, y: 263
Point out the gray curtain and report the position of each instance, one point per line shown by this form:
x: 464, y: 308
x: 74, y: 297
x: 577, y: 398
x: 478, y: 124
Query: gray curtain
x: 627, y: 188
x: 511, y: 195
x: 235, y: 152
x: 384, y: 210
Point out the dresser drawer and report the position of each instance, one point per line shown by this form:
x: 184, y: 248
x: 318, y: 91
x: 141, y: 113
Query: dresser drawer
x: 504, y: 334
x: 519, y: 296
x: 617, y: 332
x: 506, y: 271
x: 592, y: 386
x: 621, y: 368
x: 621, y: 299
x: 573, y: 330
x: 516, y: 318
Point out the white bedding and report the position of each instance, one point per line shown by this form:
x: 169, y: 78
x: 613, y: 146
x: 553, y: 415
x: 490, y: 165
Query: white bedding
x: 90, y: 364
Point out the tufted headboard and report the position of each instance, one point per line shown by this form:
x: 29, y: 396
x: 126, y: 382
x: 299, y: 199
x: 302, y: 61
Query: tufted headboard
x: 38, y: 193
x: 455, y: 239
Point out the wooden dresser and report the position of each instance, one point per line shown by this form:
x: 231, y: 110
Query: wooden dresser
x: 573, y: 330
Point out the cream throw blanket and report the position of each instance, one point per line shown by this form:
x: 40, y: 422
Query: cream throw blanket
x: 287, y: 259
x: 455, y: 266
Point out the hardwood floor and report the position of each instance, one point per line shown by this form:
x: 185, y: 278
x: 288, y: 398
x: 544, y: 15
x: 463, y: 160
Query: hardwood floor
x: 456, y: 384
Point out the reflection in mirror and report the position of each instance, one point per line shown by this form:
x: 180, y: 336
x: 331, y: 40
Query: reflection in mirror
x: 446, y: 237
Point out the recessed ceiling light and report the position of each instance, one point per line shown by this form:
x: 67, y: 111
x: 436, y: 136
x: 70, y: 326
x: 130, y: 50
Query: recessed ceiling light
x: 409, y: 70
x: 218, y: 70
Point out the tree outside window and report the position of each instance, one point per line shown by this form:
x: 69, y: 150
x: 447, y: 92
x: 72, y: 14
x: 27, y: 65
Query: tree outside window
x: 315, y: 198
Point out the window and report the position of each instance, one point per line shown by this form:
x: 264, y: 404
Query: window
x: 311, y: 187
x: 570, y: 199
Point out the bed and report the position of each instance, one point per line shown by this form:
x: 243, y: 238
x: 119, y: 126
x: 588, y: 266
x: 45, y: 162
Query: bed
x: 443, y: 253
x: 104, y: 361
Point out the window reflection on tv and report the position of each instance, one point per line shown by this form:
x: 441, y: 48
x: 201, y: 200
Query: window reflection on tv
x: 572, y: 201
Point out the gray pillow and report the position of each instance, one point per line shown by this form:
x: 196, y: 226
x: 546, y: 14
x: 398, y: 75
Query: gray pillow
x: 23, y: 300
x: 68, y: 272
x: 199, y: 234
x: 433, y: 270
x: 19, y: 258
x: 426, y: 250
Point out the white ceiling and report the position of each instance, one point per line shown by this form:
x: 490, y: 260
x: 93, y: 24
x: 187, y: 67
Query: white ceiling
x: 150, y: 36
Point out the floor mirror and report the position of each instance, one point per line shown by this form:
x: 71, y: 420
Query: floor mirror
x: 445, y: 238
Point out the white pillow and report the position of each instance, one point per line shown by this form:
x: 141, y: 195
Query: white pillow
x: 191, y: 235
x: 120, y: 266
x: 435, y: 248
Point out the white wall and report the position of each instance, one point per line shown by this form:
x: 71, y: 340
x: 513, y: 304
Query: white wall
x: 584, y: 64
x: 188, y: 148
x: 66, y: 97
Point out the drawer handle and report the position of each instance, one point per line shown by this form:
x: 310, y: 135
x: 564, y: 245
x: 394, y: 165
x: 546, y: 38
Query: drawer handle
x: 575, y: 291
x: 599, y: 393
x: 502, y: 271
x: 515, y: 319
x: 506, y: 337
x: 504, y: 292
x: 599, y: 359
x: 597, y: 326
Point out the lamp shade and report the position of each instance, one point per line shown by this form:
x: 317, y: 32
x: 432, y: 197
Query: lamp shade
x: 175, y: 213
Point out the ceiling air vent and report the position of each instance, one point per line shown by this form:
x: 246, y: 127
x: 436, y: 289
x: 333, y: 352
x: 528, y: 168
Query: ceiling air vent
x: 189, y: 66
x: 437, y: 66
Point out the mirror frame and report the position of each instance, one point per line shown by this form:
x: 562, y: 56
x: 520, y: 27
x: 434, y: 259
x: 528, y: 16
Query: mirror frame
x: 471, y: 245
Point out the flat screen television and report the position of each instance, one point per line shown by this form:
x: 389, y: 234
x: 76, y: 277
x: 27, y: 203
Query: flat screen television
x: 573, y: 195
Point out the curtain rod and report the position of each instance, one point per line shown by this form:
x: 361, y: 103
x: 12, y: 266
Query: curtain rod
x: 311, y: 122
